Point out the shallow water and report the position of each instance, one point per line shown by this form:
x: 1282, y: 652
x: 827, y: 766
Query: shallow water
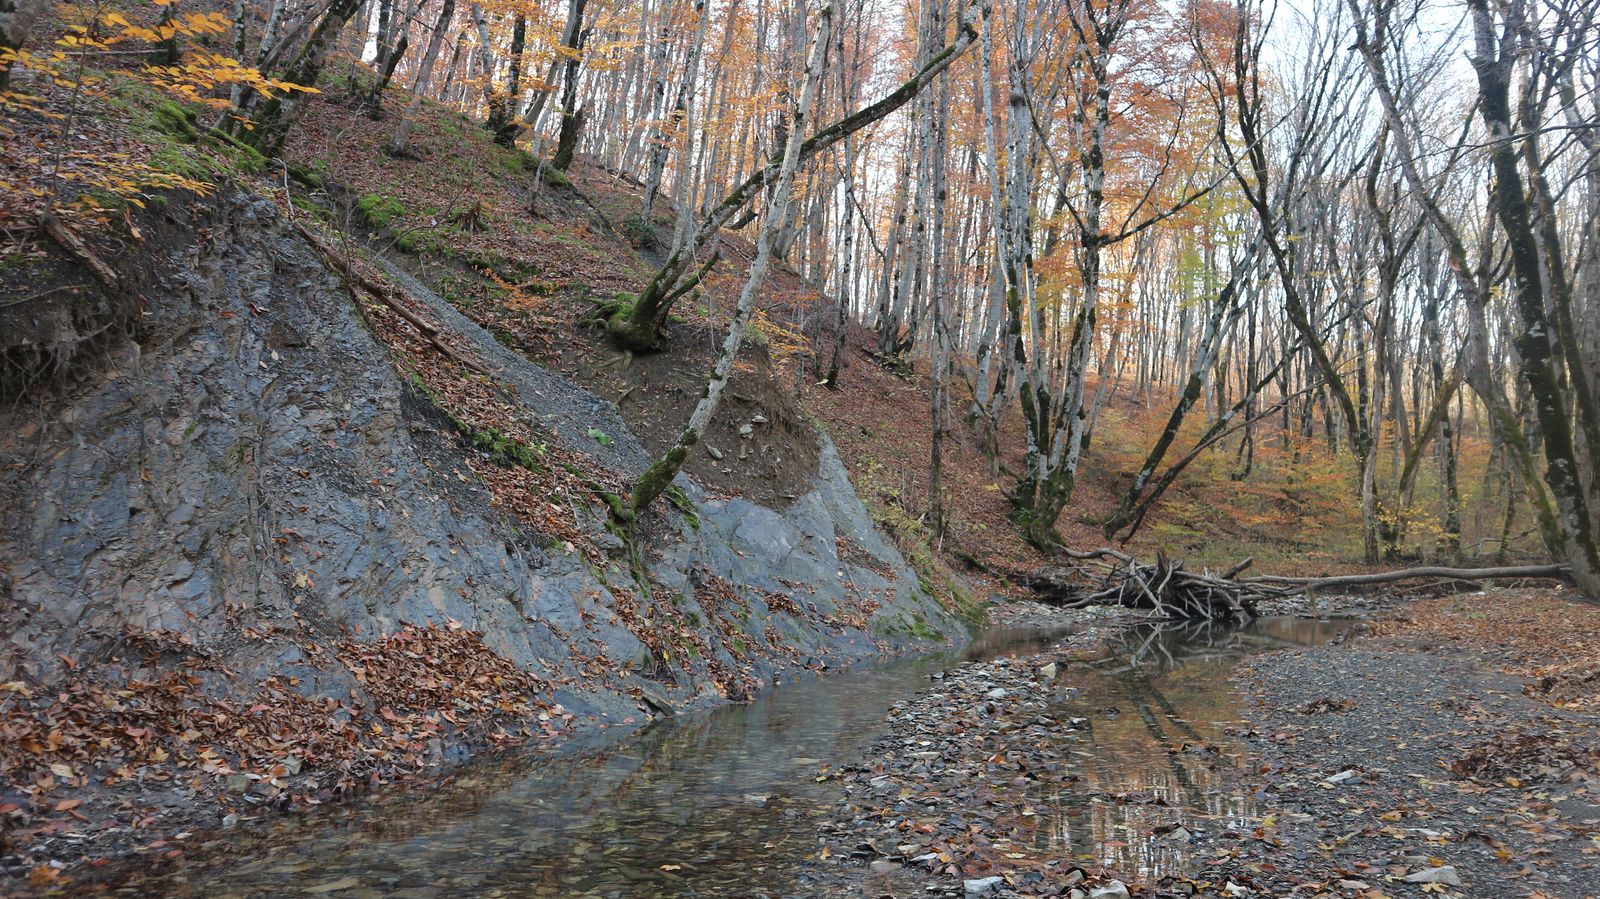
x: 1160, y: 745
x: 727, y: 802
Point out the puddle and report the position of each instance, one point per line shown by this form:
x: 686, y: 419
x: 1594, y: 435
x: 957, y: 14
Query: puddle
x: 727, y: 802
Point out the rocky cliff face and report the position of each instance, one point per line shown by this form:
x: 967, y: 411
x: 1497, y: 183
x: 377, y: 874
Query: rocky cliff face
x: 249, y: 480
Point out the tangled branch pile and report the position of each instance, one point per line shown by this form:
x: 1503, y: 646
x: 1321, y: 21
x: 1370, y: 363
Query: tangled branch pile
x: 1108, y: 577
x: 1164, y: 587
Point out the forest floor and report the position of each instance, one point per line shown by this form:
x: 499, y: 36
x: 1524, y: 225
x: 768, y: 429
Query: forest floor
x: 1440, y: 746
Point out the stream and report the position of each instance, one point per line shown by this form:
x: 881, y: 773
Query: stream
x: 727, y: 802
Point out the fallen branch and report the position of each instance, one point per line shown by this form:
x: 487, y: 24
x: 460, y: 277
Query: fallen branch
x: 354, y: 279
x: 72, y: 243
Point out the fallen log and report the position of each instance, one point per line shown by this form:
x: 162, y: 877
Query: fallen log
x: 1167, y: 588
x: 353, y: 278
x: 69, y: 240
x: 1407, y: 574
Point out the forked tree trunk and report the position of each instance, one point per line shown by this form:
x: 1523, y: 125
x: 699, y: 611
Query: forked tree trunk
x: 572, y: 117
x: 1493, y: 62
x: 278, y: 115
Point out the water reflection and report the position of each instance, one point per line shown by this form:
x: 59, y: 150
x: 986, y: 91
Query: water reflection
x: 720, y: 803
x: 726, y: 803
x: 1156, y: 757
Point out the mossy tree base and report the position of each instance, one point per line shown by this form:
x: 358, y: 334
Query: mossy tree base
x: 632, y: 335
x: 658, y: 477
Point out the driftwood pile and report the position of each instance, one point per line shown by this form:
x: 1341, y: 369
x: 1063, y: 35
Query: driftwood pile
x: 1163, y: 588
x: 1166, y: 588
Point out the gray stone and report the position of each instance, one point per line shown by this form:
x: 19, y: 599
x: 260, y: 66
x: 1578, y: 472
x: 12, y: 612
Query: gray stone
x: 1445, y: 874
x: 982, y: 886
x: 656, y: 698
x: 1116, y: 889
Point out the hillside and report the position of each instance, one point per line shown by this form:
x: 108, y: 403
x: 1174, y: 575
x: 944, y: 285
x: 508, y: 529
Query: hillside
x: 542, y: 256
x: 280, y: 522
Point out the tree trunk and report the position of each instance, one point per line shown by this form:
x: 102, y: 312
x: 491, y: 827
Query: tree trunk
x: 16, y: 24
x: 402, y: 135
x: 659, y: 476
x: 278, y: 115
x: 1493, y: 61
x: 637, y: 329
x: 572, y: 117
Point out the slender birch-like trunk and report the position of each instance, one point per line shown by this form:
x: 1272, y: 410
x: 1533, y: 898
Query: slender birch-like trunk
x: 659, y: 476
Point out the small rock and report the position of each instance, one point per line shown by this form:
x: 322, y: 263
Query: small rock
x: 758, y: 419
x: 713, y: 452
x: 746, y: 430
x: 1116, y: 889
x: 1341, y: 777
x: 882, y: 866
x: 1445, y: 875
x: 1179, y: 834
x: 996, y: 693
x: 1233, y: 889
x: 656, y: 698
x: 333, y: 886
x: 1048, y: 672
x: 983, y: 886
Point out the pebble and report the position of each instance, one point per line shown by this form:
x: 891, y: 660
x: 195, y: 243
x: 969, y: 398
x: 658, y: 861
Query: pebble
x: 984, y: 886
x: 1445, y: 874
x: 1116, y: 889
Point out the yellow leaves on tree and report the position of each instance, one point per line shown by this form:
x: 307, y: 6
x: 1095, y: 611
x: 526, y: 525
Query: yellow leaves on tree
x: 70, y: 85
